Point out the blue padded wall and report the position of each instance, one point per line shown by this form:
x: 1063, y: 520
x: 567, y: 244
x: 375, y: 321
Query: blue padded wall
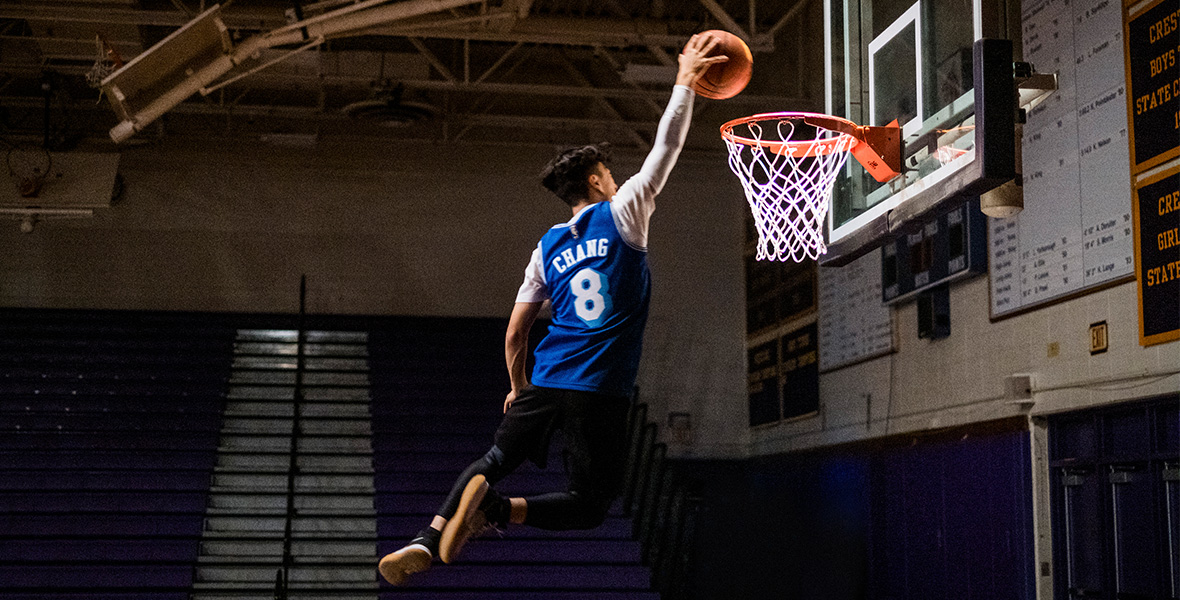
x: 941, y: 516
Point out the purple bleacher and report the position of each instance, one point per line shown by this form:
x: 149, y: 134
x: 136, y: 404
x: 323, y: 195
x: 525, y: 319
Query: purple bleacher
x: 538, y: 576
x: 81, y: 502
x: 72, y: 403
x: 437, y: 397
x: 48, y: 577
x: 129, y: 480
x: 106, y: 459
x: 123, y: 523
x: 520, y: 595
x: 109, y: 425
x: 108, y: 440
x: 123, y: 550
x: 114, y: 421
x: 180, y: 371
x: 92, y: 594
x: 16, y: 355
x: 93, y: 387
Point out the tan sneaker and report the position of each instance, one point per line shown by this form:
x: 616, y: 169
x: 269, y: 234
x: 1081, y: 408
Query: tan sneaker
x: 395, y: 567
x: 469, y: 521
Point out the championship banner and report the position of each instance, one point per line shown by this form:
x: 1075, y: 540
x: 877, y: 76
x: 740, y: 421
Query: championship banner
x: 1152, y: 38
x: 1157, y: 256
x: 1151, y: 31
x: 800, y: 369
x: 765, y: 404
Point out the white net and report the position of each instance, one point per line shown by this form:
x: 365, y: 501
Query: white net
x: 106, y: 61
x: 787, y: 181
x: 98, y: 72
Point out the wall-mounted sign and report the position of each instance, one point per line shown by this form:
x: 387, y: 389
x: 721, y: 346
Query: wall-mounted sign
x: 765, y: 405
x: 1157, y: 256
x: 1153, y: 101
x: 800, y: 372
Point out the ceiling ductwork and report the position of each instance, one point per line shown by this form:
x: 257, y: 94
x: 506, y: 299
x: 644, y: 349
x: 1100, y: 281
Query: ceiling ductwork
x: 389, y: 108
x: 488, y: 71
x: 199, y: 54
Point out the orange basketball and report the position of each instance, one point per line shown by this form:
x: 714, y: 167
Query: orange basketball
x: 727, y: 79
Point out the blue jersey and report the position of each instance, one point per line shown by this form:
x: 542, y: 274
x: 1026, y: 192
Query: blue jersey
x: 599, y: 286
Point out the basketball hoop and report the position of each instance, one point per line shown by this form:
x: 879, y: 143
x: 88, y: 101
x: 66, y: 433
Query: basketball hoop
x: 107, y: 61
x: 787, y: 163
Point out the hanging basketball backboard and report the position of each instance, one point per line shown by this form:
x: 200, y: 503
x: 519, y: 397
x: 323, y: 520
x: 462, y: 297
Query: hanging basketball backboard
x: 943, y: 70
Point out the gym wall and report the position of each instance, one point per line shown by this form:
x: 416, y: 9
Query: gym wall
x: 392, y: 229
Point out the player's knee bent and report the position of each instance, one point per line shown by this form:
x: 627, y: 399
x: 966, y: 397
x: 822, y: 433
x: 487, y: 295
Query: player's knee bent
x: 493, y: 465
x: 494, y: 457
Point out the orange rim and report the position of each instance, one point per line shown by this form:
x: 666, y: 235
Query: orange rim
x: 801, y: 148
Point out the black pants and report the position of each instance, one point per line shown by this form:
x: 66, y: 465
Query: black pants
x: 594, y: 428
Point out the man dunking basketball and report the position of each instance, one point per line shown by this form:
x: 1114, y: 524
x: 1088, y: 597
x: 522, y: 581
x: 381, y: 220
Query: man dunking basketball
x: 593, y: 269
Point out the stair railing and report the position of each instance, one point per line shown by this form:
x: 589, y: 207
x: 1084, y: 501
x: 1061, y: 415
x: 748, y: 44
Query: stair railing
x: 663, y: 507
x: 283, y: 574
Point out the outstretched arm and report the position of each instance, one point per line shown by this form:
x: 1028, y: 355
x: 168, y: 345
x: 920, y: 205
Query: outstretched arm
x: 516, y: 346
x: 635, y: 200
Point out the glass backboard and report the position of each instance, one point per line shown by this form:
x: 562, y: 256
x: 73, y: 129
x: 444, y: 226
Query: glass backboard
x: 908, y: 61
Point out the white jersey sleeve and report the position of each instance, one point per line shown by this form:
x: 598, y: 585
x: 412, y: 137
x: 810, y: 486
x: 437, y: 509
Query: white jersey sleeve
x: 634, y: 203
x: 534, y: 288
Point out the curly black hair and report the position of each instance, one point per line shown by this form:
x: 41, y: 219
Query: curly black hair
x: 567, y: 174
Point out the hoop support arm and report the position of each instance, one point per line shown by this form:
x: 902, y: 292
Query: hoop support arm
x: 879, y: 151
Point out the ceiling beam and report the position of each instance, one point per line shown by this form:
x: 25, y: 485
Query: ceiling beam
x: 657, y: 51
x: 184, y: 9
x: 525, y: 89
x: 483, y: 103
x: 618, y: 67
x: 663, y: 56
x: 238, y: 18
x: 499, y: 62
x: 433, y: 60
x: 313, y: 113
x: 660, y: 95
x: 727, y: 21
x: 577, y: 75
x: 613, y: 32
x: 520, y: 7
x: 786, y: 18
x: 561, y: 31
